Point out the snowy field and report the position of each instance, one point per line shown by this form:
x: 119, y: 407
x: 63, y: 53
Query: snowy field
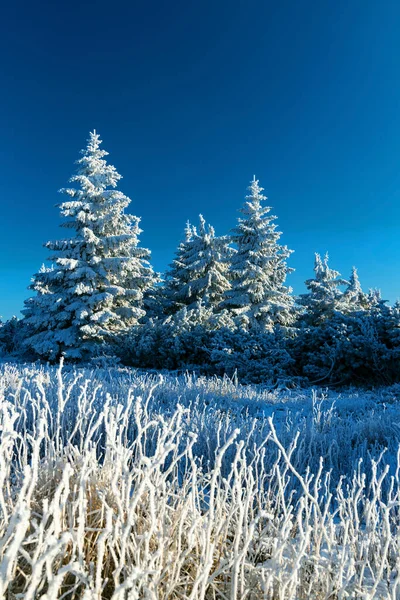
x: 118, y: 484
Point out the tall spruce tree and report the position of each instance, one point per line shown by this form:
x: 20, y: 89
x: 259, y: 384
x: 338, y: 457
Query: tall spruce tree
x: 96, y: 284
x: 199, y: 271
x: 258, y: 297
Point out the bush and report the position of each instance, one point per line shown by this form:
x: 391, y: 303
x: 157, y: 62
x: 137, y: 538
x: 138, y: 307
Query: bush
x: 360, y: 348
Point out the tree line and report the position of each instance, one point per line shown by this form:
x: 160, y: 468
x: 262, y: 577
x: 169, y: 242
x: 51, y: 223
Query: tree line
x: 223, y: 306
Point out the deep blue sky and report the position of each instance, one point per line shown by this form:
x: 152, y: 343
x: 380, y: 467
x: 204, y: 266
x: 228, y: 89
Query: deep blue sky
x: 191, y: 99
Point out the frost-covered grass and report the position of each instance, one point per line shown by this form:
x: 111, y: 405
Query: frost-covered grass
x: 116, y: 484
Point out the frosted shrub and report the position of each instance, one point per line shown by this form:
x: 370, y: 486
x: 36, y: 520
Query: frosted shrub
x: 12, y: 333
x: 181, y: 342
x: 253, y: 355
x: 358, y: 348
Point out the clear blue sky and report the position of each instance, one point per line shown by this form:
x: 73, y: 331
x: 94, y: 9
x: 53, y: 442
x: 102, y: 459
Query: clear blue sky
x: 191, y: 99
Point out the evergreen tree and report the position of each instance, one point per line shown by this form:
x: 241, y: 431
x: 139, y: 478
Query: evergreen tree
x: 324, y: 296
x: 176, y: 274
x: 11, y: 335
x: 199, y: 272
x: 374, y: 297
x: 96, y: 284
x: 354, y: 298
x: 258, y: 297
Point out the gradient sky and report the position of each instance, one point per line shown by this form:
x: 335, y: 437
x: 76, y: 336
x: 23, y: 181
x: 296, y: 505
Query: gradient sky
x: 192, y: 99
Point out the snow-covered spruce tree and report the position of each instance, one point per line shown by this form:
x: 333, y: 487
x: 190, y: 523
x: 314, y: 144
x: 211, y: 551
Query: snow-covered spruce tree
x: 259, y: 298
x: 175, y: 274
x: 324, y: 296
x: 321, y: 349
x: 199, y: 273
x: 345, y: 338
x: 374, y: 297
x: 11, y: 336
x: 95, y: 287
x: 354, y: 298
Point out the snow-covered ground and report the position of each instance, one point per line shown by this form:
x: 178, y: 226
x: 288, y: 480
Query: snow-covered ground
x: 120, y: 484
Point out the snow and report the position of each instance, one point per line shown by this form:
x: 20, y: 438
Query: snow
x: 194, y: 486
x: 117, y: 482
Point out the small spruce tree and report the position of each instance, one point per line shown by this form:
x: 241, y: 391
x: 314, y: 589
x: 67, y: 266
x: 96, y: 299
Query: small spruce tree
x: 258, y: 297
x: 354, y: 298
x: 324, y: 296
x: 199, y: 273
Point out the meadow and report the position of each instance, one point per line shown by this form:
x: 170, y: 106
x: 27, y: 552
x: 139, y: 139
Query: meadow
x: 121, y: 484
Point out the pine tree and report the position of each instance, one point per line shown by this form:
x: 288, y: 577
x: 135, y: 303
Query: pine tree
x: 96, y: 284
x: 199, y: 271
x: 258, y: 297
x: 324, y: 296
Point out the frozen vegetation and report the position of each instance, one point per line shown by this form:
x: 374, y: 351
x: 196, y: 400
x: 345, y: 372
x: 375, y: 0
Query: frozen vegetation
x: 121, y: 484
x: 126, y: 484
x: 222, y: 307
